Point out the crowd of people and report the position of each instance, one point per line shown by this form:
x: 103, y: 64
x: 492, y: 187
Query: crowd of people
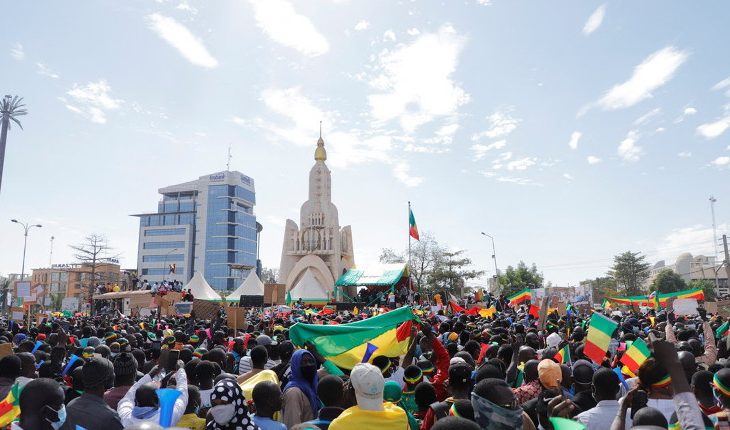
x: 508, y: 370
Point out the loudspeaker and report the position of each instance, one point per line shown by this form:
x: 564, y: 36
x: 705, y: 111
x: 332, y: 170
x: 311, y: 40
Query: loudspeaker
x: 251, y: 301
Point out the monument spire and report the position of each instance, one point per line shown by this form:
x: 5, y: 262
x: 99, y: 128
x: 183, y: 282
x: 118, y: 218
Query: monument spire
x: 320, y: 154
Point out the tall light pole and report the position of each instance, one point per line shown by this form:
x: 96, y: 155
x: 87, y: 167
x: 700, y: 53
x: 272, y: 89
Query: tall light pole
x: 164, y: 265
x: 494, y: 257
x: 714, y: 242
x: 26, y: 227
x: 50, y: 256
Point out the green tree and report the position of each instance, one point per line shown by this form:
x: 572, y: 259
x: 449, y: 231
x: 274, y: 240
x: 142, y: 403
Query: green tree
x: 668, y: 282
x: 707, y: 286
x: 10, y: 109
x: 516, y: 279
x: 602, y: 287
x: 426, y: 257
x: 452, y: 272
x: 630, y: 270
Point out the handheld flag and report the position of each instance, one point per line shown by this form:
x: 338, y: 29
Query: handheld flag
x: 563, y: 356
x: 520, y: 297
x: 566, y: 424
x: 10, y: 406
x: 535, y: 311
x: 412, y: 227
x: 637, y: 353
x: 722, y: 330
x: 599, y: 336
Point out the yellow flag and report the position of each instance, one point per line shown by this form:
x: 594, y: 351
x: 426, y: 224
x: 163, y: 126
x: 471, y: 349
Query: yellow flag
x: 486, y: 313
x: 355, y: 310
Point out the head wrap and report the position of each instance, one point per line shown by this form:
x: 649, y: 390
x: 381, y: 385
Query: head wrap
x: 297, y: 380
x: 230, y: 392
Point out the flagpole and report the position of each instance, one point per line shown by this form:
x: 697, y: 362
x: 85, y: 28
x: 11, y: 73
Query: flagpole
x: 409, y: 236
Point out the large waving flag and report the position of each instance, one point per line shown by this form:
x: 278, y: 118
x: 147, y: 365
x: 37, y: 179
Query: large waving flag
x: 349, y: 344
x: 599, y: 336
x: 637, y: 353
x: 650, y: 301
x: 520, y: 297
x: 10, y: 407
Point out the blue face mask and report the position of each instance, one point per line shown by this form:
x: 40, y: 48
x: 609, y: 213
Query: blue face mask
x: 61, y: 418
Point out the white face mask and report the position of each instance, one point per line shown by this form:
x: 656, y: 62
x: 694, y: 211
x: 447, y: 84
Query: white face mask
x: 223, y: 414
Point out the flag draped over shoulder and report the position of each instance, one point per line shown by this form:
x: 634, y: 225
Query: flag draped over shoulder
x: 348, y: 344
x: 599, y: 336
x: 10, y: 407
x: 520, y: 297
x: 637, y: 353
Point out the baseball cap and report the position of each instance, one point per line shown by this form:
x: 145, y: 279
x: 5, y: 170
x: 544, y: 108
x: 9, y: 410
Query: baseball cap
x: 549, y: 373
x: 264, y: 340
x: 368, y: 382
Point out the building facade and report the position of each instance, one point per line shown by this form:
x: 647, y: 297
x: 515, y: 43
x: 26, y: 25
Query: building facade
x: 316, y: 252
x: 691, y: 268
x: 206, y: 225
x: 74, y: 280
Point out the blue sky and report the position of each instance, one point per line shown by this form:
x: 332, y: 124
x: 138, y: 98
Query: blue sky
x: 570, y: 131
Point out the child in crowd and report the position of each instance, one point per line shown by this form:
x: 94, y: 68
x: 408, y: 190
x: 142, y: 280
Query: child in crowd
x: 267, y: 400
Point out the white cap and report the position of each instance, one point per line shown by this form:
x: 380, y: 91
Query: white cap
x: 553, y: 340
x: 457, y: 360
x: 368, y: 382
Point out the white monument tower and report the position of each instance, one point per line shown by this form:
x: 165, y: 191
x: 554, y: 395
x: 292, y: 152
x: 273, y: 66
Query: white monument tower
x: 318, y: 251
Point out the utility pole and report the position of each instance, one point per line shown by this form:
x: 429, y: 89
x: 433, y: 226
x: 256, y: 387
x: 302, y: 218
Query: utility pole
x: 714, y: 236
x: 727, y: 259
x: 50, y: 256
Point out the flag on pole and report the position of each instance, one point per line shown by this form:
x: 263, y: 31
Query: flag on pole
x: 520, y: 297
x: 288, y: 298
x: 637, y: 353
x: 412, y: 227
x: 563, y: 356
x: 599, y: 336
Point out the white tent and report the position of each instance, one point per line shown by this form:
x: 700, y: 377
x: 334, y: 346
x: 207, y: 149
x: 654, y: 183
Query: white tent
x: 200, y: 288
x: 308, y: 288
x: 251, y: 286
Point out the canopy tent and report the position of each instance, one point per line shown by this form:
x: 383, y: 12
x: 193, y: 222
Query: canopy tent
x: 309, y: 289
x: 251, y: 286
x: 200, y: 288
x: 381, y: 275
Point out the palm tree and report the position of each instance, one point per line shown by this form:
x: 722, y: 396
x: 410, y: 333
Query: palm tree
x: 10, y: 109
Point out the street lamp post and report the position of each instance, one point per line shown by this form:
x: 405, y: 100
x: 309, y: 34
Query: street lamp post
x: 164, y: 265
x: 26, y: 227
x: 714, y: 237
x: 494, y: 257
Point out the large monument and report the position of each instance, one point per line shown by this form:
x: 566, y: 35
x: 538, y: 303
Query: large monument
x: 318, y: 251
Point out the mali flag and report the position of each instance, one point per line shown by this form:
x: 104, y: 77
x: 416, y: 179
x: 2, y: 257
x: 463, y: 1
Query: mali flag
x: 535, y: 311
x: 520, y: 297
x: 412, y: 227
x: 563, y: 356
x: 10, y: 407
x: 637, y: 353
x: 722, y: 330
x: 599, y: 336
x: 348, y: 344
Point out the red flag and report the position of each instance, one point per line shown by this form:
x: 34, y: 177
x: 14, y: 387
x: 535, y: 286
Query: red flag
x: 535, y: 311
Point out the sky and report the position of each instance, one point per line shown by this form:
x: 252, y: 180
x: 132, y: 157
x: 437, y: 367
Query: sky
x: 570, y: 131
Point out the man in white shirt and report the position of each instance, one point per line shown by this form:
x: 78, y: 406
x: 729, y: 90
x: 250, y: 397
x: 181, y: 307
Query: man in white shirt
x: 132, y: 411
x: 605, y: 387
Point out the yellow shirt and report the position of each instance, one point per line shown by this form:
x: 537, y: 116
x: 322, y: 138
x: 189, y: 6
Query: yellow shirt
x: 192, y: 422
x: 391, y: 418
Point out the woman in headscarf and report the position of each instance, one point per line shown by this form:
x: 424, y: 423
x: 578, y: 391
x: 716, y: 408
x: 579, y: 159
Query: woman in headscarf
x: 228, y: 411
x: 300, y: 393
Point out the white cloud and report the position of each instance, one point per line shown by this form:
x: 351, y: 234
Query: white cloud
x: 568, y: 176
x: 521, y: 164
x: 712, y: 130
x: 480, y: 150
x: 501, y: 123
x: 689, y: 111
x: 413, y: 31
x: 720, y: 161
x: 574, y: 138
x: 655, y: 71
x: 184, y: 6
x: 186, y: 43
x: 659, y: 130
x: 591, y: 159
x: 414, y: 80
x: 484, y: 2
x: 279, y: 20
x: 647, y: 116
x: 92, y: 101
x: 595, y: 20
x: 696, y: 239
x: 723, y: 85
x: 684, y: 154
x: 17, y: 52
x: 362, y: 25
x: 402, y: 172
x: 628, y: 149
x: 516, y: 180
x: 389, y: 36
x: 45, y: 71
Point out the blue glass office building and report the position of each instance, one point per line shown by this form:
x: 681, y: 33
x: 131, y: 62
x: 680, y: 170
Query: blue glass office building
x: 207, y: 225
